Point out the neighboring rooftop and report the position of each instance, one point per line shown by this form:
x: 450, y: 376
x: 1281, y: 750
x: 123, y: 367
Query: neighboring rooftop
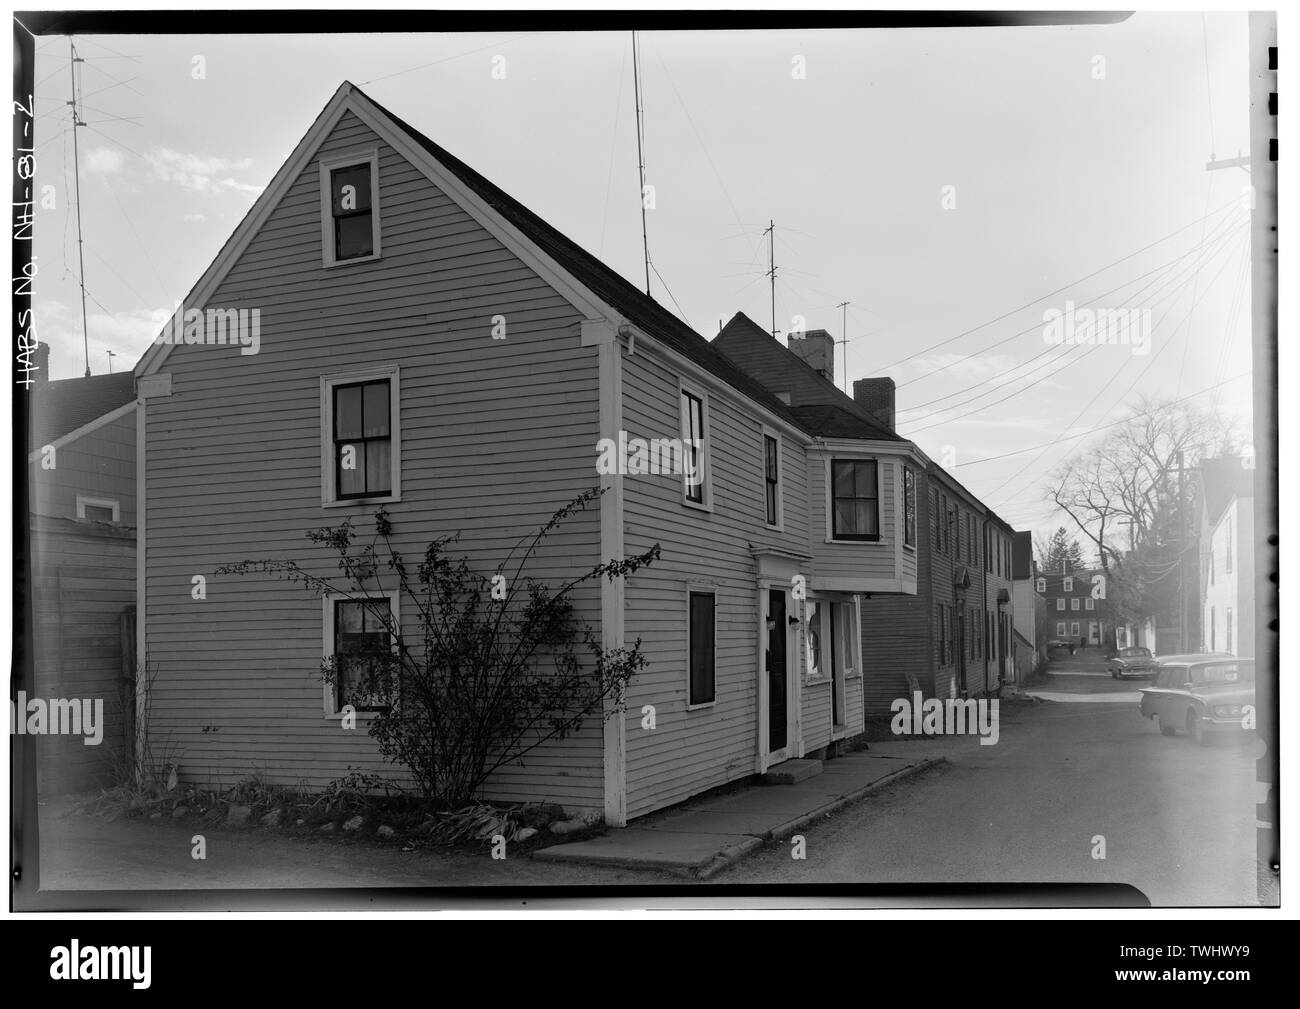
x: 59, y: 408
x: 1222, y: 480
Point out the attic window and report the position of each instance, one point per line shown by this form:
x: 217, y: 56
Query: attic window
x: 350, y: 209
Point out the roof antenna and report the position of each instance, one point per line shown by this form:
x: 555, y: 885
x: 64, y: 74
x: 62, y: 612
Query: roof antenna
x: 771, y: 267
x: 640, y: 158
x: 76, y: 161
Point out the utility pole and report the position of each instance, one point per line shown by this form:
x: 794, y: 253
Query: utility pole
x: 111, y: 355
x: 76, y: 162
x: 844, y: 339
x: 1182, y: 560
x: 770, y: 231
x: 640, y: 156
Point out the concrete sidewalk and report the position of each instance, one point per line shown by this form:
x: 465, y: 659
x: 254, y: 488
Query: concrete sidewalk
x: 705, y: 835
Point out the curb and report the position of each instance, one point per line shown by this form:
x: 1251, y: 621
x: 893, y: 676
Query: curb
x: 734, y: 853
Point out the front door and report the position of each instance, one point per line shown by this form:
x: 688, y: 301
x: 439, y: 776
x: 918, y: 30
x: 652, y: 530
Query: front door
x: 776, y: 673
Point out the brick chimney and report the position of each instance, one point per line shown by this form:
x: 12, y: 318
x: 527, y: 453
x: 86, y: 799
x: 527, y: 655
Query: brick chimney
x: 877, y: 396
x: 817, y: 348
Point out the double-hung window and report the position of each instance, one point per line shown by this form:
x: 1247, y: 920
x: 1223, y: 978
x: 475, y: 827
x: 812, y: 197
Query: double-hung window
x: 909, y: 506
x: 701, y: 684
x: 361, y: 439
x: 772, y: 478
x: 350, y: 208
x: 855, y: 499
x: 695, y: 468
x: 358, y: 637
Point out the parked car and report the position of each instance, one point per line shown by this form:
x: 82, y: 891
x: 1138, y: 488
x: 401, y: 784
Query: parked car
x: 1206, y: 695
x: 1135, y: 661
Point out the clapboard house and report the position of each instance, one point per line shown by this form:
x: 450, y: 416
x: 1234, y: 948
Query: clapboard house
x: 409, y: 306
x: 81, y: 523
x: 941, y: 633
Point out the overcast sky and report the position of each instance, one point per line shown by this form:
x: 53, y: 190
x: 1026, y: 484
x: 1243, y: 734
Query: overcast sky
x: 1067, y: 151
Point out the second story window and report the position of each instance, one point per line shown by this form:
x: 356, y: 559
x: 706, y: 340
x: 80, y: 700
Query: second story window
x: 1060, y: 603
x: 1042, y: 586
x: 1074, y: 603
x: 360, y: 456
x: 855, y: 499
x: 695, y: 469
x: 1227, y: 566
x: 350, y: 209
x: 1068, y: 585
x: 909, y: 506
x: 772, y: 478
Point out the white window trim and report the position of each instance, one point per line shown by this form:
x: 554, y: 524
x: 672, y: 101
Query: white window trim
x: 683, y: 387
x: 1060, y: 604
x: 1074, y: 628
x: 98, y: 502
x: 1060, y: 628
x: 328, y: 491
x: 699, y: 589
x: 1074, y: 604
x: 768, y: 432
x: 1041, y: 586
x: 1089, y: 603
x: 823, y: 620
x: 1067, y: 585
x: 903, y: 470
x: 884, y: 540
x: 327, y: 638
x: 327, y: 165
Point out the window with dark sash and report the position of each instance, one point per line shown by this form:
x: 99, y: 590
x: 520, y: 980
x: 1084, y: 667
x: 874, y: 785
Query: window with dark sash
x: 694, y: 474
x: 909, y: 506
x: 361, y: 644
x: 934, y: 519
x: 771, y: 479
x: 701, y: 638
x: 350, y: 205
x: 362, y: 439
x: 855, y: 504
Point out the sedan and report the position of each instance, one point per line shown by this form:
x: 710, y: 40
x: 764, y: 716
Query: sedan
x: 1205, y: 695
x: 1131, y: 662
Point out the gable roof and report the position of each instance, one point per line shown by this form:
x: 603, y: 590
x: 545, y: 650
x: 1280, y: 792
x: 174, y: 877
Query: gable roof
x: 625, y: 299
x: 1222, y: 480
x: 60, y: 408
x: 814, y: 398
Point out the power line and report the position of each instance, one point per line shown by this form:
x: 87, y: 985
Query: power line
x: 1051, y: 294
x: 1038, y: 325
x: 1088, y: 406
x: 1169, y: 267
x: 1103, y: 427
x: 447, y: 59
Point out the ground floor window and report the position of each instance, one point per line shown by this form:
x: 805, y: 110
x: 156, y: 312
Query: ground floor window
x: 702, y: 648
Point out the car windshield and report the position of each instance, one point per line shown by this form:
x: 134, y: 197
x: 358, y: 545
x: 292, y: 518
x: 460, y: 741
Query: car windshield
x: 1224, y: 672
x: 1135, y: 653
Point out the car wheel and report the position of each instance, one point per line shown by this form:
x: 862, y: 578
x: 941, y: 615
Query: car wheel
x: 1196, y: 730
x: 1165, y: 730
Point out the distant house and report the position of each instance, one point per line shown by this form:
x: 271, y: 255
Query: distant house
x: 409, y: 305
x: 81, y: 520
x: 1076, y: 606
x: 1030, y: 608
x: 1227, y: 557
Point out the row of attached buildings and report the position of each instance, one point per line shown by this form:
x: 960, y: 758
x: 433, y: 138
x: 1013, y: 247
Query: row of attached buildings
x: 814, y: 566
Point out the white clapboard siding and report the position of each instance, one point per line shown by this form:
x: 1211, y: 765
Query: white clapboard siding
x: 496, y: 434
x: 847, y: 560
x: 691, y: 751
